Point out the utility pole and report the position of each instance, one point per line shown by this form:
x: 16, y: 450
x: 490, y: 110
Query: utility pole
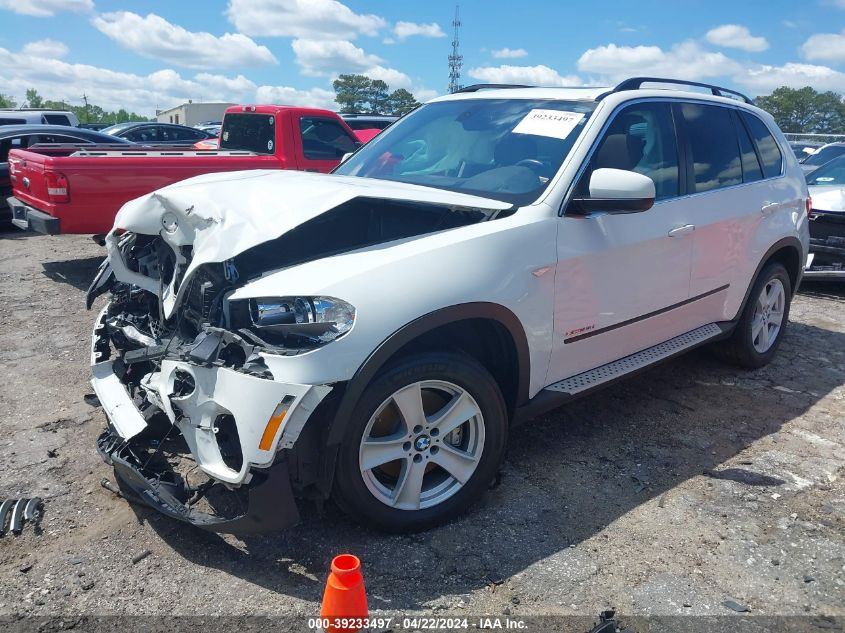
x: 87, y: 109
x: 456, y: 60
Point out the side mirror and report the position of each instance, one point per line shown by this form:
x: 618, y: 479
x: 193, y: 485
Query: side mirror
x: 616, y: 191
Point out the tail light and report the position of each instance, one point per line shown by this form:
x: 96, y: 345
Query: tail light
x: 809, y: 204
x: 57, y: 187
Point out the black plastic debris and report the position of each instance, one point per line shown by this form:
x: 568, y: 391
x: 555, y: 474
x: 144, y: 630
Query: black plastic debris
x: 18, y: 512
x: 608, y: 624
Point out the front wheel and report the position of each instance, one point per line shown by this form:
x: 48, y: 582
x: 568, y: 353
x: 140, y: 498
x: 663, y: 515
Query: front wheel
x: 423, y: 443
x: 760, y: 329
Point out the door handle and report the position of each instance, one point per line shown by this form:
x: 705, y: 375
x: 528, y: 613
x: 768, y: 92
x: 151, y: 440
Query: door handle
x: 678, y: 231
x: 766, y: 209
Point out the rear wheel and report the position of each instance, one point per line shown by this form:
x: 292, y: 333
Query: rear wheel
x: 423, y: 443
x: 761, y: 326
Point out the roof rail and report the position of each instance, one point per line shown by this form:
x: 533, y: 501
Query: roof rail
x: 477, y: 87
x: 634, y: 83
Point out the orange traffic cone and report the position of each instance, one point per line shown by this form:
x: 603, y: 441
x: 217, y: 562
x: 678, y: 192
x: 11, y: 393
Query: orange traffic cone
x: 345, y: 597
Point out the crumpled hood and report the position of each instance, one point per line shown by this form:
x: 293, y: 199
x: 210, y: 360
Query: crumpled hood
x: 828, y: 198
x: 224, y: 214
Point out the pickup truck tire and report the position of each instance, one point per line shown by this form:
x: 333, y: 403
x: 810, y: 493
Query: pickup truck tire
x: 761, y: 326
x: 423, y: 443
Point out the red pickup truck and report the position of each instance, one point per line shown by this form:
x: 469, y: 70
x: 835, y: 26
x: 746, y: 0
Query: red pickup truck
x: 79, y: 189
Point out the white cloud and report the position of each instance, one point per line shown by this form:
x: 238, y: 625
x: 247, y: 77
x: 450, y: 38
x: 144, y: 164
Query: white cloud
x: 825, y: 46
x: 736, y: 36
x: 318, y: 58
x: 509, y: 53
x: 532, y: 75
x: 45, y: 48
x: 425, y: 94
x: 687, y: 60
x: 285, y: 95
x: 307, y: 19
x: 403, y: 30
x: 153, y: 36
x: 46, y: 8
x: 62, y: 81
x: 762, y: 79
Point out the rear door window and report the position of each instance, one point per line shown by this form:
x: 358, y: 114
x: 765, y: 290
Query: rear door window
x: 9, y: 121
x: 767, y: 147
x: 145, y: 134
x: 713, y: 145
x: 324, y: 139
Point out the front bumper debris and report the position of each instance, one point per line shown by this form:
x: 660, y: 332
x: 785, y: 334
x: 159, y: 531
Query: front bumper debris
x: 271, y: 505
x: 162, y: 396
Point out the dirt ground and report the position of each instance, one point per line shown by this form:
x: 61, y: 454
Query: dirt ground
x: 688, y: 486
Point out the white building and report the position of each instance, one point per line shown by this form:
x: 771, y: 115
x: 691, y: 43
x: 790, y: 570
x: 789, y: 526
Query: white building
x: 193, y: 113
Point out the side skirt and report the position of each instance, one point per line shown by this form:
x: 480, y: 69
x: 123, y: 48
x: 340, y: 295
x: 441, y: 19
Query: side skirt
x: 579, y: 385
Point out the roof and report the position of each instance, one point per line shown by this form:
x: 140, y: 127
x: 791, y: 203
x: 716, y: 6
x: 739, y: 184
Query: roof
x: 630, y: 88
x: 34, y: 128
x: 587, y: 93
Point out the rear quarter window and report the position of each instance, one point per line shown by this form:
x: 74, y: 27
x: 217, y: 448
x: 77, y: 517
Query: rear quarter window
x: 9, y: 121
x: 767, y: 146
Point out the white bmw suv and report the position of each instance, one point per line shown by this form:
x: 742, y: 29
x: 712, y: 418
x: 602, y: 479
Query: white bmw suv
x: 374, y: 334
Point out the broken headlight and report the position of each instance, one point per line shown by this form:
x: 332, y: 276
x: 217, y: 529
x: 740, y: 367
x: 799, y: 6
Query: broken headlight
x: 315, y: 319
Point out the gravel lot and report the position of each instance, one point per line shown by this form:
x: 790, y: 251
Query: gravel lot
x: 689, y: 485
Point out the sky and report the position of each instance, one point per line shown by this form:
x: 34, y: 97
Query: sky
x: 158, y: 53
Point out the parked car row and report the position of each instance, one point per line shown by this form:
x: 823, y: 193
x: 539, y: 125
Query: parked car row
x: 72, y: 190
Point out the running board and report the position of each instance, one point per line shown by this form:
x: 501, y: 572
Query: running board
x: 618, y: 368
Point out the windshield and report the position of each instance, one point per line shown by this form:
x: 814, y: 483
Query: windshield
x: 506, y: 149
x: 833, y: 173
x: 249, y: 132
x: 825, y: 154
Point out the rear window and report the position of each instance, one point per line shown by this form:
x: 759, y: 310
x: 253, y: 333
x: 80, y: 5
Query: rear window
x: 249, y: 132
x: 831, y: 174
x: 8, y: 144
x: 766, y: 145
x: 57, y: 119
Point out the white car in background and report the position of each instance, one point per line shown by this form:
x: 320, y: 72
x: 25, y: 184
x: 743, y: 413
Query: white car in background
x: 376, y: 334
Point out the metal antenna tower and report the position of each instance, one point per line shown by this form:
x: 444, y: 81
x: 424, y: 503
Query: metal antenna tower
x: 456, y: 60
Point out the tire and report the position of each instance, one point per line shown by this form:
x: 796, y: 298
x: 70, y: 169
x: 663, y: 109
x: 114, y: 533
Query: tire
x: 377, y: 488
x: 745, y: 346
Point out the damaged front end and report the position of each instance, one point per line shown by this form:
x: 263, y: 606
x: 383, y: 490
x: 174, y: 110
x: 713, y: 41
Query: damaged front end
x: 196, y: 417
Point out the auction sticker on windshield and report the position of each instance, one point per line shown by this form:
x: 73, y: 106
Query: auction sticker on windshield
x: 554, y: 123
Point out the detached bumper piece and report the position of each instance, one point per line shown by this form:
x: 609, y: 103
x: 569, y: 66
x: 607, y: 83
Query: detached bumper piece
x: 26, y: 218
x: 271, y: 505
x: 17, y: 511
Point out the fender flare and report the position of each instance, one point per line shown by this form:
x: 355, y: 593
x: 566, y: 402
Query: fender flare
x: 791, y: 241
x: 416, y: 328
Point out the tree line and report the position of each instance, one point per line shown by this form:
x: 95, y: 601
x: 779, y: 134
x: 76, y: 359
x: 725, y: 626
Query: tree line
x: 88, y: 113
x: 362, y: 95
x: 805, y: 110
x: 798, y: 110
